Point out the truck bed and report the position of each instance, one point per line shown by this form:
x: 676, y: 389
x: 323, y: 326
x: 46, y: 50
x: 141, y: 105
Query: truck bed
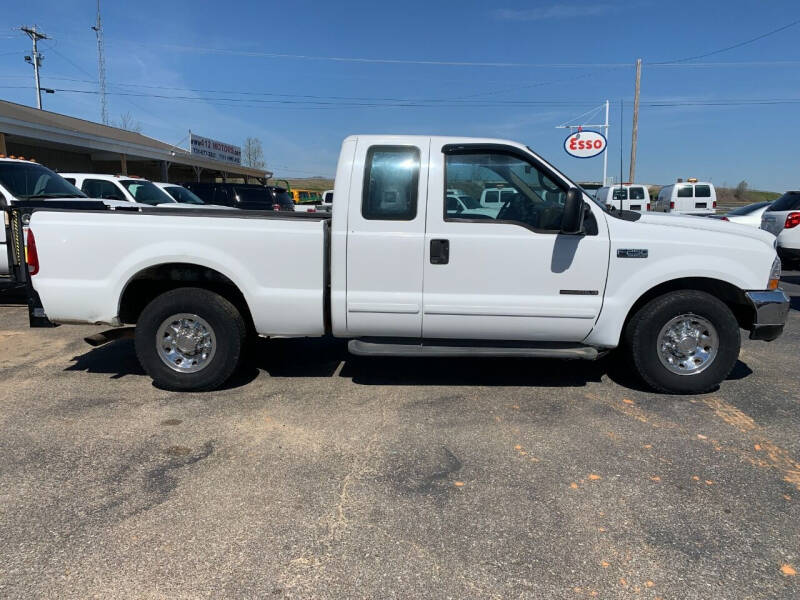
x: 277, y: 260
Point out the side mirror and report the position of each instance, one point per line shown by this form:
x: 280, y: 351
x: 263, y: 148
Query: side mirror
x: 572, y: 220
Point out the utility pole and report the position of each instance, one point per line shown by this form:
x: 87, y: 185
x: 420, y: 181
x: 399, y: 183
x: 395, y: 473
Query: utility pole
x: 35, y: 59
x: 101, y: 67
x: 635, y: 132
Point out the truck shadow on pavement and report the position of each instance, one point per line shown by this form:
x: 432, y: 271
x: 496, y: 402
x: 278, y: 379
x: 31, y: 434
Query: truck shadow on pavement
x: 323, y: 357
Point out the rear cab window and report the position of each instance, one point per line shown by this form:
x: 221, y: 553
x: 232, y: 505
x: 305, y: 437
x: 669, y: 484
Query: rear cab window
x: 391, y: 182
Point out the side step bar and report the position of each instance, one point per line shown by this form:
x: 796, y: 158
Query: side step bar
x: 438, y: 349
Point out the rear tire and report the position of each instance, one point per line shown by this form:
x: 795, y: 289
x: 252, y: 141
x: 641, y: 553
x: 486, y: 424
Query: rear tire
x: 684, y: 342
x: 190, y: 339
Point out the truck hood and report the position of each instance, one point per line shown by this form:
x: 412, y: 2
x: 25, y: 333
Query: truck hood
x: 706, y: 224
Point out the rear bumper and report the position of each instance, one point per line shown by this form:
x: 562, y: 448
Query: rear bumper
x: 788, y: 255
x: 770, y: 310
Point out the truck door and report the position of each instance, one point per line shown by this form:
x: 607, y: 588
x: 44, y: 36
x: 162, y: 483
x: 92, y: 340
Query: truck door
x: 386, y: 237
x: 512, y: 275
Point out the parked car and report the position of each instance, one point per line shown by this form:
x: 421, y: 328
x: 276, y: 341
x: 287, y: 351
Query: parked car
x: 181, y: 194
x: 747, y: 215
x: 245, y: 196
x: 554, y: 274
x: 628, y: 196
x: 688, y: 198
x: 459, y: 204
x: 119, y: 187
x: 782, y: 219
x: 23, y: 181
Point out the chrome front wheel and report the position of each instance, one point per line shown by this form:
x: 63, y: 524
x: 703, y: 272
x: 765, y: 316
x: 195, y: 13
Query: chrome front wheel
x: 687, y: 344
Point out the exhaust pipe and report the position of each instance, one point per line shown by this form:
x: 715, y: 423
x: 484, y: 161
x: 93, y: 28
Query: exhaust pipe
x: 118, y: 333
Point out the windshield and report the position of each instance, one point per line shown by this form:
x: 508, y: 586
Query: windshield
x: 30, y: 180
x: 146, y: 192
x: 184, y: 196
x: 750, y: 208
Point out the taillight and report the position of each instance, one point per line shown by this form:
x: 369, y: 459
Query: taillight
x: 672, y: 206
x: 311, y: 209
x: 792, y: 220
x: 31, y: 256
x: 725, y: 219
x: 648, y: 206
x: 276, y: 206
x: 714, y: 204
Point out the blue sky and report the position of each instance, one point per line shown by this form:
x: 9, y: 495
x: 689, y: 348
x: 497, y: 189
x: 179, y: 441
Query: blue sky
x: 303, y: 75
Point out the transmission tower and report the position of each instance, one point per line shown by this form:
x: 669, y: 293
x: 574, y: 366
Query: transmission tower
x: 101, y: 67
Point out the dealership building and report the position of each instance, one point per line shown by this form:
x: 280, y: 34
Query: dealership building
x: 68, y: 144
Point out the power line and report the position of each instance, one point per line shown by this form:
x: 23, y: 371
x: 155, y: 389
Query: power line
x: 734, y: 46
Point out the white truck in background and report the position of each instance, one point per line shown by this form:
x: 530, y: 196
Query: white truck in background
x: 552, y: 273
x: 691, y: 197
x: 629, y: 196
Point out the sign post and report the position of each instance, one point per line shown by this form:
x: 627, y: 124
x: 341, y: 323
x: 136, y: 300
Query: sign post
x: 586, y: 143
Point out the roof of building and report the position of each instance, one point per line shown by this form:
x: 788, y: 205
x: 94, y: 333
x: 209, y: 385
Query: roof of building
x: 26, y: 121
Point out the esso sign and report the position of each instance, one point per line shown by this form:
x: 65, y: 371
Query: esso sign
x: 585, y: 144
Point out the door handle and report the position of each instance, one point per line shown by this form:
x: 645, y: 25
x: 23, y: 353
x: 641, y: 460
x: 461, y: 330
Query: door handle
x: 440, y: 252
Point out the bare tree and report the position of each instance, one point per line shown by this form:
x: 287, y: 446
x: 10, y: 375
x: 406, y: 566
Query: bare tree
x: 253, y: 153
x: 741, y: 190
x: 127, y: 122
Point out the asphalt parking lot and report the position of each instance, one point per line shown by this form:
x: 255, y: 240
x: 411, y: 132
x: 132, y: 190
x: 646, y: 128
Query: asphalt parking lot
x: 315, y: 475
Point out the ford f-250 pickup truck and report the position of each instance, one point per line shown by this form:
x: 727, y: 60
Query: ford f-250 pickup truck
x: 550, y: 273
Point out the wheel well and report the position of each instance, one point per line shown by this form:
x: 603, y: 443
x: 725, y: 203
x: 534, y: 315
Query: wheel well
x: 154, y: 281
x: 728, y: 293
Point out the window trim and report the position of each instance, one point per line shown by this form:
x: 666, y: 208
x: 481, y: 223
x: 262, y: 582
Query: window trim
x: 414, y: 179
x: 467, y: 149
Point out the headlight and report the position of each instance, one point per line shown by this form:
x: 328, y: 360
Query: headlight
x: 774, y: 275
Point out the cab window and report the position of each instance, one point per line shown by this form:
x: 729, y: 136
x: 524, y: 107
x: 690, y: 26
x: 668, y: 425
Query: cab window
x: 391, y: 182
x: 529, y: 198
x: 100, y: 188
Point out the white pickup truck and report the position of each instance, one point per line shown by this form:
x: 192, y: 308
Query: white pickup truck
x: 551, y: 274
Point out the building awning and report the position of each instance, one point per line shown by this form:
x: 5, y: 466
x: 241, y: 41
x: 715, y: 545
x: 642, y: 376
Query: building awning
x: 103, y: 142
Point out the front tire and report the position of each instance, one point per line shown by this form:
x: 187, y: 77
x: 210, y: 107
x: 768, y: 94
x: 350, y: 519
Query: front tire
x: 684, y: 342
x: 190, y: 339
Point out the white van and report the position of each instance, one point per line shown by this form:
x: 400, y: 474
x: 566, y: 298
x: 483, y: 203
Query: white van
x: 494, y: 197
x: 688, y: 198
x: 630, y: 196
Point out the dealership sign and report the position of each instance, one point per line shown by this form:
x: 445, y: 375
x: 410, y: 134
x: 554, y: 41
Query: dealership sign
x: 215, y: 150
x: 585, y: 143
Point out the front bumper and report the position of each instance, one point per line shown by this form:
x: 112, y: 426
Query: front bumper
x: 770, y: 310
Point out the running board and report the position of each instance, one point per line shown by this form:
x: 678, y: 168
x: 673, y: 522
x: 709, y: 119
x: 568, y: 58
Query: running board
x: 554, y: 350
